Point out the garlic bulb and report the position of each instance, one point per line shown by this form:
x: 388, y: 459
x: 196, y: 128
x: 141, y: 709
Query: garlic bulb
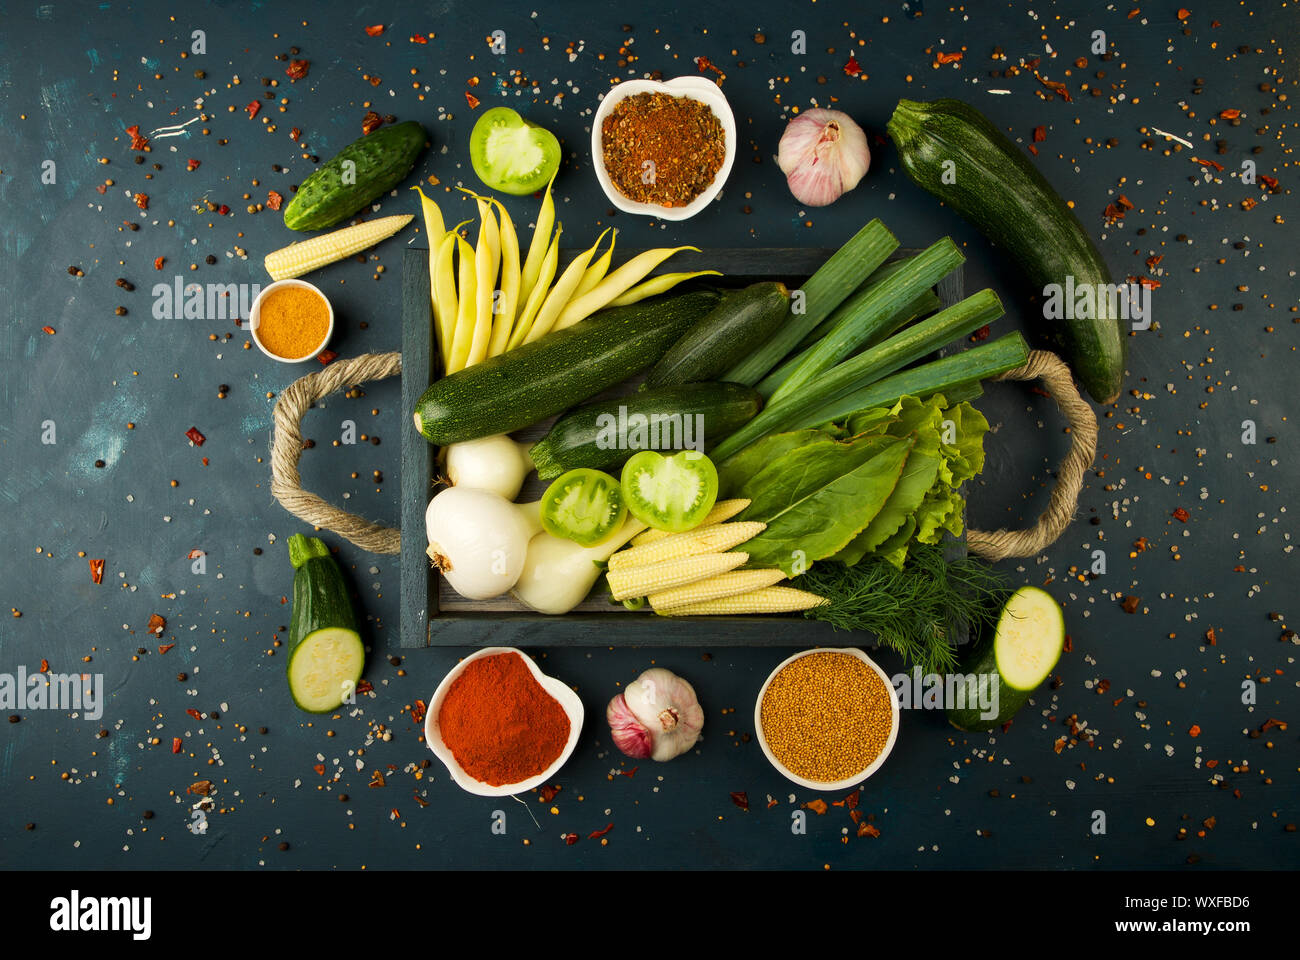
x: 823, y: 154
x: 656, y: 716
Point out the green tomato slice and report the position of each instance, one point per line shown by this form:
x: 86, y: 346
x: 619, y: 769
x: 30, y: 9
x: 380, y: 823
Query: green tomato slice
x: 670, y: 493
x: 584, y: 506
x: 510, y: 154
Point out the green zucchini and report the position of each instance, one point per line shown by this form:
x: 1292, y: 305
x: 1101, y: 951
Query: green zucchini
x: 551, y: 374
x: 732, y: 329
x: 326, y: 655
x: 1026, y: 644
x: 953, y: 151
x: 362, y: 171
x: 601, y: 434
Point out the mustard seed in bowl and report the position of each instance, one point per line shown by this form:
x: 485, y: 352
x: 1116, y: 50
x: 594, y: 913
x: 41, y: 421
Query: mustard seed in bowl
x: 827, y: 716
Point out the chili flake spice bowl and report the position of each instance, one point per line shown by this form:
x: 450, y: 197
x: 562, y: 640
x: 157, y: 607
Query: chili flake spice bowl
x: 567, y: 699
x: 695, y: 88
x: 255, y: 318
x: 824, y: 785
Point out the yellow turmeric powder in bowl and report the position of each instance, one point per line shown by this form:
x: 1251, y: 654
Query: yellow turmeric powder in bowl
x: 291, y: 321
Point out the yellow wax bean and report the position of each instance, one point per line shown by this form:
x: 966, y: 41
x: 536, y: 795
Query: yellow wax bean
x: 487, y: 257
x: 596, y: 272
x: 525, y: 322
x: 504, y: 318
x: 657, y: 285
x: 465, y: 307
x: 614, y: 285
x: 444, y: 291
x: 561, y: 292
x: 539, y: 247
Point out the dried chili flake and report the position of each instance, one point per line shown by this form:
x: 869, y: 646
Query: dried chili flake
x: 548, y: 791
x: 597, y: 834
x: 1124, y: 202
x: 375, y: 30
x: 1249, y: 204
x: 852, y: 68
x: 194, y: 713
x: 1153, y: 261
x: 176, y: 744
x: 101, y: 188
x: 1209, y: 163
x: 45, y: 665
x: 570, y: 839
x: 326, y: 357
x: 772, y: 802
x: 1180, y: 515
x: 297, y: 69
x: 377, y: 780
x: 741, y: 799
x: 1056, y: 86
x: 158, y: 262
x: 273, y: 199
x: 629, y: 773
x: 365, y: 686
x: 157, y: 624
x: 320, y: 769
x: 1068, y: 646
x: 1040, y: 134
x: 1211, y: 637
x: 254, y: 109
x: 981, y: 334
x: 1112, y: 212
x: 142, y: 201
x: 194, y: 554
x: 165, y: 647
x: 371, y: 122
x: 191, y: 164
x: 418, y: 710
x: 851, y: 801
x: 1149, y: 282
x: 471, y: 100
x: 48, y: 329
x: 1033, y: 149
x: 196, y: 438
x: 1183, y: 13
x: 1270, y: 182
x: 96, y: 571
x: 954, y: 57
x: 295, y: 133
x: 1232, y: 113
x: 138, y: 142
x: 817, y: 806
x: 419, y: 38
x: 1194, y: 730
x: 868, y: 830
x: 1130, y: 603
x: 1059, y: 744
x: 223, y: 210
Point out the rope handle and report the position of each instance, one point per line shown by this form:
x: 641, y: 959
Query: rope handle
x: 999, y: 544
x: 286, y: 483
x: 294, y: 401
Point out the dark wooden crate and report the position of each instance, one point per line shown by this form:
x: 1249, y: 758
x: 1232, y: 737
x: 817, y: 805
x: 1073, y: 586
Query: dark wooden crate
x: 433, y: 615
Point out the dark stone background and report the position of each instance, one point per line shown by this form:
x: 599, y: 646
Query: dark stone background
x: 74, y: 76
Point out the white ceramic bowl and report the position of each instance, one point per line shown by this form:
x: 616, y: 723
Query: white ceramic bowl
x: 255, y: 318
x: 838, y: 785
x: 696, y: 88
x: 556, y: 688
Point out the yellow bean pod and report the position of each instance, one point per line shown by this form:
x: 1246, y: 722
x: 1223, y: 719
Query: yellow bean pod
x: 657, y: 285
x: 614, y: 285
x: 540, y: 245
x: 561, y: 292
x: 487, y: 256
x: 444, y: 294
x: 465, y: 312
x: 596, y: 272
x: 504, y: 318
x: 525, y: 322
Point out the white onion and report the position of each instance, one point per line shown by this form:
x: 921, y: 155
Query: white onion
x: 479, y: 540
x: 823, y: 154
x: 494, y: 463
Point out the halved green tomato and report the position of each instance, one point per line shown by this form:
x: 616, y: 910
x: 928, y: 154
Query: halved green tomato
x: 584, y: 506
x: 670, y: 493
x: 510, y: 154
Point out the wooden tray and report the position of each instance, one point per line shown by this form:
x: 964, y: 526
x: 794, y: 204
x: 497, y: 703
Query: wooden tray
x: 434, y: 615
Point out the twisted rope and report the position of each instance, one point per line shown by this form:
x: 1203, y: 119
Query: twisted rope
x: 998, y: 544
x: 286, y: 483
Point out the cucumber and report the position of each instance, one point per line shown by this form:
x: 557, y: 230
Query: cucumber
x: 1026, y: 644
x: 326, y: 655
x: 994, y: 186
x: 593, y: 435
x: 551, y: 374
x: 360, y: 172
x: 732, y: 329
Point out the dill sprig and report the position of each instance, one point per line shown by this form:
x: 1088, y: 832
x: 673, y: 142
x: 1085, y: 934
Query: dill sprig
x: 914, y: 611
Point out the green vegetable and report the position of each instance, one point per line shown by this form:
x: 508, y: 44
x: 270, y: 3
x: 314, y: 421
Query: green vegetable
x: 510, y: 154
x: 790, y: 410
x: 817, y: 297
x: 713, y: 345
x: 818, y: 497
x: 883, y: 272
x: 914, y: 610
x: 584, y: 506
x: 360, y: 172
x: 670, y: 493
x: 998, y: 190
x: 539, y: 379
x: 326, y: 655
x: 1026, y: 645
x: 877, y: 307
x: 604, y: 433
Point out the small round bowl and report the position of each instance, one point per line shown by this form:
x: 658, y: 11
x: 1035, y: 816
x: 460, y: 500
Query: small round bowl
x: 837, y: 785
x: 696, y: 88
x: 255, y: 318
x: 556, y: 688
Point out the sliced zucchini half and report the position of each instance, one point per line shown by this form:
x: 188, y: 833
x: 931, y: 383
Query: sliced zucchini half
x: 326, y: 655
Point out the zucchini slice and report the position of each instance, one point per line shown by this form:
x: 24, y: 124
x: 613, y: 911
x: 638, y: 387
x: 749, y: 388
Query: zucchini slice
x: 1026, y: 646
x: 326, y: 655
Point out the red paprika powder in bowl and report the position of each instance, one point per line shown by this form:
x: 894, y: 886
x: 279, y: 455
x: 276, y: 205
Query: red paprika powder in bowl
x: 500, y: 725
